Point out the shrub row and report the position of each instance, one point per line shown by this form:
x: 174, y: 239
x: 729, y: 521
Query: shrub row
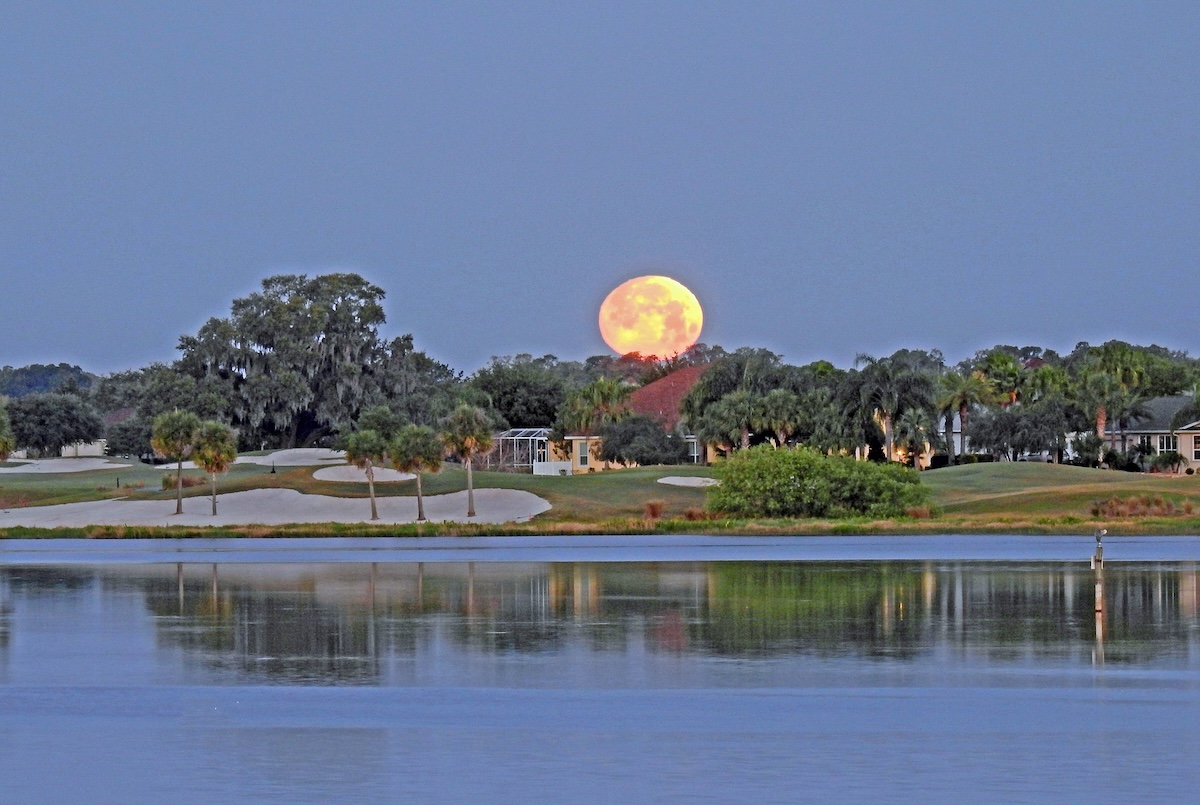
x: 764, y: 482
x: 1144, y: 506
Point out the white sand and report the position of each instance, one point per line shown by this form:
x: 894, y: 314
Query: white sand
x: 49, y: 465
x: 296, y: 457
x: 279, y: 507
x: 348, y: 473
x: 687, y: 480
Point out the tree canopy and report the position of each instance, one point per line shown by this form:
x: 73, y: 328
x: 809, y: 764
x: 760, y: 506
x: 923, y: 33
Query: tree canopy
x: 640, y: 440
x: 41, y: 378
x: 43, y: 423
x: 295, y: 358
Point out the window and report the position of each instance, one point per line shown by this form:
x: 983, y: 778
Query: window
x: 541, y: 451
x: 583, y: 453
x: 1196, y: 448
x: 1144, y: 441
x: 1168, y: 443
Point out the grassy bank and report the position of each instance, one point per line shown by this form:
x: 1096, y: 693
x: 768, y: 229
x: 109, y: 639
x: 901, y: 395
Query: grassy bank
x: 975, y: 499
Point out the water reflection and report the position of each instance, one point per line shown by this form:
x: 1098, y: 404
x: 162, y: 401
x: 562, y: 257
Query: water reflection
x: 526, y: 623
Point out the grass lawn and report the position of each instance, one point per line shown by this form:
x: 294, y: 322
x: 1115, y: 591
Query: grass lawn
x: 590, y: 497
x: 1045, y: 494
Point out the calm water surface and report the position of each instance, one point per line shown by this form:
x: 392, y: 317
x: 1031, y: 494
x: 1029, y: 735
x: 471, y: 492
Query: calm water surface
x: 599, y: 682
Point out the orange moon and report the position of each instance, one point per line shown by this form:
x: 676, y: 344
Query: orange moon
x: 651, y: 315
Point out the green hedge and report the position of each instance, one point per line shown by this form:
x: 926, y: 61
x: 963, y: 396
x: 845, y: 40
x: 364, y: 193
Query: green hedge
x: 764, y: 482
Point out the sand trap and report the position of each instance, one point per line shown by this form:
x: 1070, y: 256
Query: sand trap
x: 296, y: 457
x: 49, y: 465
x: 279, y: 507
x: 687, y: 480
x: 348, y: 473
x: 292, y: 457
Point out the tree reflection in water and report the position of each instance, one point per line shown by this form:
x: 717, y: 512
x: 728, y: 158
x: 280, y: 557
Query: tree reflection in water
x: 350, y: 624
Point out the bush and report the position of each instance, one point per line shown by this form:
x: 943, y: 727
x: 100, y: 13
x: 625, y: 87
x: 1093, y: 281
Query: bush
x: 168, y: 481
x: 1116, y: 508
x: 1169, y: 461
x: 642, y: 441
x: 763, y: 482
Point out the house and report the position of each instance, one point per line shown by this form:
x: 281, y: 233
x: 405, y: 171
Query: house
x: 1154, y: 434
x: 660, y: 401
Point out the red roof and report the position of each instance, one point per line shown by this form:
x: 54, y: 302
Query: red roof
x: 661, y: 399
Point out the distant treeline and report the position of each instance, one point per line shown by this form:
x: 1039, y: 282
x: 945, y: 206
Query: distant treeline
x: 37, y: 377
x: 300, y: 361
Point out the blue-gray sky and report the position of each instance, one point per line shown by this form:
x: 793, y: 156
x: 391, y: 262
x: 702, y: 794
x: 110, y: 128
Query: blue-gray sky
x: 829, y: 178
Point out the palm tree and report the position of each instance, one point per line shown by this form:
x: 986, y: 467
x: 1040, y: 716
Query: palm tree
x: 596, y: 404
x: 468, y: 433
x: 912, y: 433
x: 826, y: 425
x: 779, y: 411
x: 888, y: 387
x: 1046, y: 381
x: 365, y: 449
x: 729, y: 420
x: 417, y: 449
x: 1095, y: 395
x: 1128, y: 405
x: 173, y: 435
x: 214, y: 450
x: 1006, y: 376
x: 1126, y: 364
x: 961, y: 392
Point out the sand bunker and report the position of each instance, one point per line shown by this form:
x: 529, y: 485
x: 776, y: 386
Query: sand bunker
x: 687, y: 480
x: 296, y: 457
x: 292, y: 457
x: 279, y: 507
x: 49, y: 465
x: 347, y: 473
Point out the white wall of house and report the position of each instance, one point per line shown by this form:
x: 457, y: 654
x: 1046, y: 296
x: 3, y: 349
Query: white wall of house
x: 80, y: 449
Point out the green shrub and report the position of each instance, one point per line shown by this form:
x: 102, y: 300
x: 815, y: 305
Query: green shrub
x: 764, y: 482
x: 168, y: 481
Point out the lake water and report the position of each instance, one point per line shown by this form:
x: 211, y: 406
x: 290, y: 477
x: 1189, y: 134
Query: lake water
x: 768, y: 680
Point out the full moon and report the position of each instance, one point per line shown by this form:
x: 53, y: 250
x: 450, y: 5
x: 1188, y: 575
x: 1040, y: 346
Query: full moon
x: 652, y: 316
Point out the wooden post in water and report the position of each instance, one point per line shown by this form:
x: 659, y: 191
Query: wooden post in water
x: 1098, y: 556
x: 1098, y: 567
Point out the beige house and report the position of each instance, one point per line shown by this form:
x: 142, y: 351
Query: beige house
x: 1153, y: 432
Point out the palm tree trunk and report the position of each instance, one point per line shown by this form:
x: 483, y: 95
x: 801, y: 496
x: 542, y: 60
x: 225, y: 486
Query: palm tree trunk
x: 371, y: 489
x: 962, y: 428
x: 213, y: 475
x: 1101, y: 421
x: 887, y: 438
x: 745, y: 438
x: 471, y: 490
x: 179, y: 487
x: 420, y: 501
